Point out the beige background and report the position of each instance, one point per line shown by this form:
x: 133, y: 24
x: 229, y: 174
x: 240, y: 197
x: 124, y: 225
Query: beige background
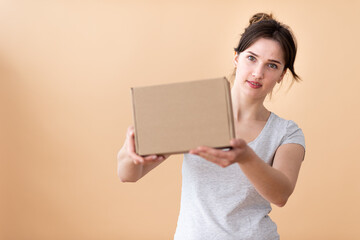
x: 66, y: 68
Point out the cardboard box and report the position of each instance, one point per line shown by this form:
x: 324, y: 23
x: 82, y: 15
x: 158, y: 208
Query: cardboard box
x: 174, y: 118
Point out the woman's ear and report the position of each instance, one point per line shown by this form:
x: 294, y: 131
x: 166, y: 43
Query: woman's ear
x: 281, y: 76
x: 236, y: 56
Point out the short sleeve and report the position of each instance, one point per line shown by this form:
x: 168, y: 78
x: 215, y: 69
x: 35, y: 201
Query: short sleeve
x: 294, y: 134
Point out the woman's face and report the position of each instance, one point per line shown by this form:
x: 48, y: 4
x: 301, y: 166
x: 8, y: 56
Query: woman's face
x: 259, y: 68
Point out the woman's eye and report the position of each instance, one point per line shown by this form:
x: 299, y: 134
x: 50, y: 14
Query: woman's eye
x: 274, y: 66
x: 251, y: 58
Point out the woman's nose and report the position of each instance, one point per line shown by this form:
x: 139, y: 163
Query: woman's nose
x: 258, y: 72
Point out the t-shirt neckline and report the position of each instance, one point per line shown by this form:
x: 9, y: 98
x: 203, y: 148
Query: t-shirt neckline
x: 263, y: 130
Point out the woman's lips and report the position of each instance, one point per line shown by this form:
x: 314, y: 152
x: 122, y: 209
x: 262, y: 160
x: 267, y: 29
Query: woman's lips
x: 253, y: 84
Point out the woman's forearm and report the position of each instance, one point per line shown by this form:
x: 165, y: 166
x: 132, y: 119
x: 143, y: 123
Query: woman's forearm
x: 270, y: 183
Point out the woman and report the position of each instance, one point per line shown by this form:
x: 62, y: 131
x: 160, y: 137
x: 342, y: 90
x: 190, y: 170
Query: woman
x: 227, y: 194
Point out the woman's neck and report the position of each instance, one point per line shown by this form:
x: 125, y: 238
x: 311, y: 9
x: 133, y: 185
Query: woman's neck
x: 246, y: 109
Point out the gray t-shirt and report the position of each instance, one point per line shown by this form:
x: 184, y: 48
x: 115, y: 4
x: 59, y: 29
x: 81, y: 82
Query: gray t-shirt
x: 220, y: 203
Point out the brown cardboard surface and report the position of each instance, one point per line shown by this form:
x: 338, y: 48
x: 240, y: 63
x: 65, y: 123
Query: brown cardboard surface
x: 177, y: 117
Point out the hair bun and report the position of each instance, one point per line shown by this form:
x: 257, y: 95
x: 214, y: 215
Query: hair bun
x: 260, y: 17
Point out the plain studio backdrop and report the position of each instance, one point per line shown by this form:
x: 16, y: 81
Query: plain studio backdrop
x: 66, y: 69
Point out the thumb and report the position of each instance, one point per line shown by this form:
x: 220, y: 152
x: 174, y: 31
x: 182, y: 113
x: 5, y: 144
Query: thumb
x: 130, y: 131
x: 238, y: 143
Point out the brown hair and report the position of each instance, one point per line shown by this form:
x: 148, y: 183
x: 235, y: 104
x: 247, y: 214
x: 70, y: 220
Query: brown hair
x: 262, y: 25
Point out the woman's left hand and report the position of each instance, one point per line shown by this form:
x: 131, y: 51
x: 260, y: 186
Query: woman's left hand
x: 240, y: 152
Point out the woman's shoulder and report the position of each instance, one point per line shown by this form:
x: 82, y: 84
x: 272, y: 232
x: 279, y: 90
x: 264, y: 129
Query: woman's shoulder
x: 282, y: 122
x: 291, y: 131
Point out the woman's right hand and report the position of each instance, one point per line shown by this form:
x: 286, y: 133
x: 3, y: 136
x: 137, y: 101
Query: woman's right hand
x: 137, y: 159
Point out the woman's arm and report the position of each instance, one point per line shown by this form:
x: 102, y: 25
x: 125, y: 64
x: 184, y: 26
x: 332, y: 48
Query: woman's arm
x: 132, y: 167
x: 275, y: 183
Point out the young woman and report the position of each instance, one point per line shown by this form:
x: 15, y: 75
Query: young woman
x: 227, y: 194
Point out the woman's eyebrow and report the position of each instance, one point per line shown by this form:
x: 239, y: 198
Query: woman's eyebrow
x: 276, y: 61
x: 253, y: 53
x: 271, y: 60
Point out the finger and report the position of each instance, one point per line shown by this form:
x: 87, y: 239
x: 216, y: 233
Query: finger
x: 136, y: 158
x: 166, y: 156
x: 228, y: 155
x: 218, y: 161
x: 130, y: 129
x: 153, y: 158
x: 157, y: 156
x: 131, y: 146
x: 147, y: 159
x: 150, y: 157
x: 136, y: 162
x: 131, y: 139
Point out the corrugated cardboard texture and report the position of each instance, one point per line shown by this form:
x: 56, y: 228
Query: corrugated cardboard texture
x: 177, y: 117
